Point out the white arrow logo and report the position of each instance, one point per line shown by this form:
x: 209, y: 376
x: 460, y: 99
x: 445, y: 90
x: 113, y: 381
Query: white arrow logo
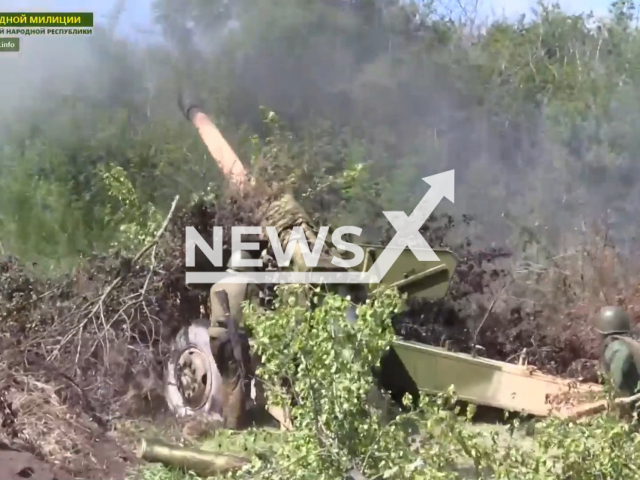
x: 407, y: 227
x: 408, y: 235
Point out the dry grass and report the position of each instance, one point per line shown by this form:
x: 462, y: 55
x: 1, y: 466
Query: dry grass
x: 40, y: 423
x: 85, y: 352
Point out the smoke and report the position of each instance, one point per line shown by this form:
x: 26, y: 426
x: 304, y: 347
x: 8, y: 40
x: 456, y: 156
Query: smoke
x: 45, y: 66
x: 412, y: 92
x: 372, y: 68
x: 518, y: 163
x: 65, y: 106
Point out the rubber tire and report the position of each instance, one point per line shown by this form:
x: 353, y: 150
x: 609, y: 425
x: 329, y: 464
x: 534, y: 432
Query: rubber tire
x: 195, y: 335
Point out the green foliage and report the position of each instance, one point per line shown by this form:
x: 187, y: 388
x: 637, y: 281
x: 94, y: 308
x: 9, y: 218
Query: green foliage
x: 137, y: 224
x: 361, y: 100
x: 327, y: 168
x: 334, y: 429
x: 326, y: 361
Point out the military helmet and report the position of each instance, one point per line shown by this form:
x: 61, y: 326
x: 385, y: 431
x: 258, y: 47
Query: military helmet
x: 239, y: 255
x: 612, y: 320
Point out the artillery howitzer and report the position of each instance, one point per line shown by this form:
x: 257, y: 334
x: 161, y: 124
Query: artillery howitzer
x: 408, y: 367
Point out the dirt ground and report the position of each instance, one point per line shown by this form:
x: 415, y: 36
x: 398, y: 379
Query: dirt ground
x: 112, y: 462
x: 20, y: 465
x: 109, y: 462
x: 16, y: 465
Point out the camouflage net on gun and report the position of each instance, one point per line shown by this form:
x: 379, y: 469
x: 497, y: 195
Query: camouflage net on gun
x: 285, y: 213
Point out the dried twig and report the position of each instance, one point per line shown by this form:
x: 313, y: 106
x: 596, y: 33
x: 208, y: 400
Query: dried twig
x: 596, y: 407
x: 489, y: 310
x: 78, y: 329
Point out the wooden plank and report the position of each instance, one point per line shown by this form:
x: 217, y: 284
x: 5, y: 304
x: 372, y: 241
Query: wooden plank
x: 488, y: 382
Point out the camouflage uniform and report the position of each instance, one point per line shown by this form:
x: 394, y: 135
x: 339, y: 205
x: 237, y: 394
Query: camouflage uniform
x: 236, y: 374
x: 620, y: 354
x: 284, y: 214
x: 237, y: 292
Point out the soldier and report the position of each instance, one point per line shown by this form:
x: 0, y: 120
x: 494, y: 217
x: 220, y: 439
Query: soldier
x: 620, y: 354
x: 230, y: 346
x: 237, y: 292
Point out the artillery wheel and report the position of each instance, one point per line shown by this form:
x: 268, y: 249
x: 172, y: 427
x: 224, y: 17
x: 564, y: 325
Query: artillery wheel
x: 192, y: 383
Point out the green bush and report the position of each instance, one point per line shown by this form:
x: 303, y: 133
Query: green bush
x: 327, y: 361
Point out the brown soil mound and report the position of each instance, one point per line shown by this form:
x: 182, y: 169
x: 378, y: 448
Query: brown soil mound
x: 19, y: 465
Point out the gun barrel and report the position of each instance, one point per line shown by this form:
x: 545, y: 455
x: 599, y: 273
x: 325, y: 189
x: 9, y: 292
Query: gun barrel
x: 220, y: 150
x: 284, y: 214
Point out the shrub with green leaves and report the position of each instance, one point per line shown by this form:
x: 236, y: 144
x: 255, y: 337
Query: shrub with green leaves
x: 326, y: 361
x: 136, y: 223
